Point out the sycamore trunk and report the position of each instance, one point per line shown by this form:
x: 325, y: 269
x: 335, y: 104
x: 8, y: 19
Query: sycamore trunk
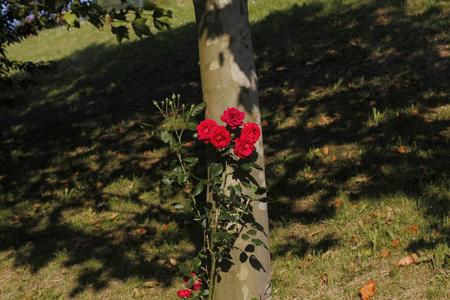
x: 229, y: 79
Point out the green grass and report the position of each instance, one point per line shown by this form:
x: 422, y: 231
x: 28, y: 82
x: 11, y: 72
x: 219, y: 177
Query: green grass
x: 355, y: 101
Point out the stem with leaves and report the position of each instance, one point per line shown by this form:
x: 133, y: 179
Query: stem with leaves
x: 222, y: 216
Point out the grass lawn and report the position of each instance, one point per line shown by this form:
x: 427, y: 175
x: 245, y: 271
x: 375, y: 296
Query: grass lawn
x: 356, y: 117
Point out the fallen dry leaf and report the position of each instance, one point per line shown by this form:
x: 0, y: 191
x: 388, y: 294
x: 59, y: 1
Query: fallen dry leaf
x: 402, y: 149
x: 336, y: 203
x: 140, y: 231
x: 325, y: 150
x: 368, y: 290
x: 396, y: 243
x: 150, y: 283
x: 113, y: 216
x: 413, y: 229
x: 173, y: 261
x: 324, y: 279
x: 303, y: 264
x: 407, y: 260
x: 315, y: 232
x: 384, y: 254
x: 415, y: 112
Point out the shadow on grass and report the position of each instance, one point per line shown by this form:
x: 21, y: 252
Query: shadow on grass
x: 350, y: 79
x: 356, y: 104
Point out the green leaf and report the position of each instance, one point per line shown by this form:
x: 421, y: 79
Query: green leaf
x: 184, y: 270
x: 95, y: 20
x: 122, y: 15
x: 166, y: 181
x: 96, y: 7
x: 121, y: 33
x: 198, y: 109
x: 258, y: 242
x: 190, y: 283
x: 177, y: 170
x: 147, y: 126
x: 196, y: 263
x: 165, y: 136
x: 252, y: 232
x: 206, y: 293
x: 173, y: 164
x: 245, y: 237
x: 249, y: 166
x: 198, y: 189
x: 219, y: 256
x: 226, y: 235
x: 140, y: 28
x: 21, y: 11
x: 232, y: 192
x: 256, y: 166
x: 70, y: 18
x: 246, y: 167
x: 190, y: 159
x: 238, y: 189
x: 215, y: 170
x: 161, y: 18
x: 231, y: 218
x: 261, y: 191
x: 173, y: 141
x: 183, y: 178
x: 246, y: 185
x: 191, y: 126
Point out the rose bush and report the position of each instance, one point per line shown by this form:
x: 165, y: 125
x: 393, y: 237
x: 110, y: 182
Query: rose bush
x: 223, y: 221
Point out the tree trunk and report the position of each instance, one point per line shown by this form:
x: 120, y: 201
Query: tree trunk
x: 229, y: 79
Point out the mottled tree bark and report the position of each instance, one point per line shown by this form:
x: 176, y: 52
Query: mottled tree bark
x: 229, y: 79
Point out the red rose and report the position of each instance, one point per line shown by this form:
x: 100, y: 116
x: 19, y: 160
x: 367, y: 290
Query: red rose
x: 220, y: 137
x: 204, y: 130
x: 233, y: 117
x: 251, y: 131
x: 184, y: 293
x: 197, y: 285
x: 243, y: 147
x: 197, y: 282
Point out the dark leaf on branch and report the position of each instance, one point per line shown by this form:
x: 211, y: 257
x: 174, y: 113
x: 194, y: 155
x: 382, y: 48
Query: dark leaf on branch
x: 140, y: 28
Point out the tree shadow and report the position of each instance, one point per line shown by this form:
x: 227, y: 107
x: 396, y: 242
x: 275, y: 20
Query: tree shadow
x: 360, y: 81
